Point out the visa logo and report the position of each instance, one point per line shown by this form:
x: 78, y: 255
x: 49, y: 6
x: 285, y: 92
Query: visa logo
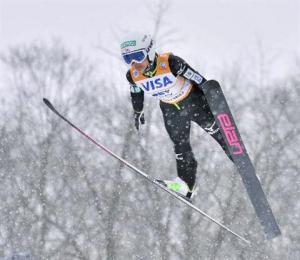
x: 157, y: 83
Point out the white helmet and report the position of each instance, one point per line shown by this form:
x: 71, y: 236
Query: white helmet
x: 136, y: 47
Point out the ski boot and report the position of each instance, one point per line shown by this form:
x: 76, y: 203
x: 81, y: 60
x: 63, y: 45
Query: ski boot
x: 180, y: 187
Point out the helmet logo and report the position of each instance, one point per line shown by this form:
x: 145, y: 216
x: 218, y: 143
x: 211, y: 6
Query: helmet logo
x: 150, y: 46
x: 126, y: 50
x: 127, y: 44
x: 144, y: 39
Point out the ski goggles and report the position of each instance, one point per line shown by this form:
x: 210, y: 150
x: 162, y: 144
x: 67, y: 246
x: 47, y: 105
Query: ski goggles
x: 137, y: 56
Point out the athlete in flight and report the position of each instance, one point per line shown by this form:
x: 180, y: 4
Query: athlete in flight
x: 178, y: 87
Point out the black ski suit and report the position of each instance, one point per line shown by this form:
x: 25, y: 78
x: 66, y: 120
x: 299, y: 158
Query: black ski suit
x: 178, y: 116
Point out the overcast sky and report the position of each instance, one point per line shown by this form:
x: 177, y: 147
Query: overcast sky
x: 211, y: 32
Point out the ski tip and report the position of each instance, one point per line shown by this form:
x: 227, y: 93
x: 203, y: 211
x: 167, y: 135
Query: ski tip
x: 48, y: 104
x: 46, y: 101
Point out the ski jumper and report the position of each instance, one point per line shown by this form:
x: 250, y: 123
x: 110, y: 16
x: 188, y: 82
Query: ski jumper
x: 178, y: 87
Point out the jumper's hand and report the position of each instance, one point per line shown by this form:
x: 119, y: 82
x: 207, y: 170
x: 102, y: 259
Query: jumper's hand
x: 139, y: 119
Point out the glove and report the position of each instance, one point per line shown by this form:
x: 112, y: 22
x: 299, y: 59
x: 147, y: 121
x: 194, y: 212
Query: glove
x: 139, y: 119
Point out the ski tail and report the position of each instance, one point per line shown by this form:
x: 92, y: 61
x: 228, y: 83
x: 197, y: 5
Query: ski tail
x: 220, y: 109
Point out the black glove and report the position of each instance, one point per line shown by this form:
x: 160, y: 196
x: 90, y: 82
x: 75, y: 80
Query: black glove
x: 139, y: 119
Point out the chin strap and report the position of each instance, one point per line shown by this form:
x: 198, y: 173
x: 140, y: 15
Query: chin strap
x: 151, y: 69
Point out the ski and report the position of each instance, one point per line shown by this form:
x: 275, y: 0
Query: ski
x: 217, y: 102
x: 143, y: 174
